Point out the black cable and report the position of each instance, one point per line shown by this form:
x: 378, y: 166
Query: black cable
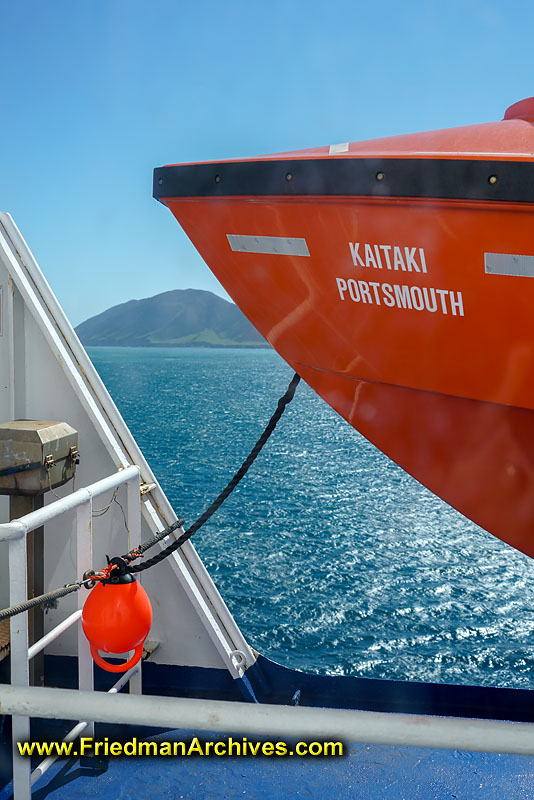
x: 229, y: 488
x: 50, y: 597
x: 138, y: 551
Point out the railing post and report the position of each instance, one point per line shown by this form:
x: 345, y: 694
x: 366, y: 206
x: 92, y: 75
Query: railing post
x: 134, y: 536
x: 84, y: 561
x: 18, y: 593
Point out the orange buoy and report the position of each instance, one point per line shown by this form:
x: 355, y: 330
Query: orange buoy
x: 116, y: 618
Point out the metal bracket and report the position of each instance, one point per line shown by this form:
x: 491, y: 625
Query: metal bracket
x: 74, y: 455
x: 86, y: 576
x: 149, y: 647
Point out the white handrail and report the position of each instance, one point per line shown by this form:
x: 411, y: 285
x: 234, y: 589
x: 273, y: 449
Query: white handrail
x: 36, y: 519
x: 370, y: 727
x: 53, y: 634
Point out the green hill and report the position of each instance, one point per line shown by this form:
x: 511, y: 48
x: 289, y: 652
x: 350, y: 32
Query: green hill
x: 181, y: 318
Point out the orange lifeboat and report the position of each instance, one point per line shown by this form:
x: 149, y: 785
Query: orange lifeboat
x: 396, y: 276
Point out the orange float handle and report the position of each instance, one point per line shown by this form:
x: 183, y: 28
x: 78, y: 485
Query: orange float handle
x: 138, y: 652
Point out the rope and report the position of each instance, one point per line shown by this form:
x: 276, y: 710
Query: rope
x: 46, y: 600
x: 49, y: 598
x: 229, y: 488
x: 140, y: 549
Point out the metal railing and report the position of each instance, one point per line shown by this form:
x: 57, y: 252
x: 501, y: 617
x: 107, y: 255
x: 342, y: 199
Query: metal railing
x: 15, y: 532
x: 87, y: 706
x: 283, y: 722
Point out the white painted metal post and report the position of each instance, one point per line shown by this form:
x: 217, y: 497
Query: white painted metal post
x: 134, y: 538
x: 10, y: 315
x: 20, y: 674
x: 84, y: 561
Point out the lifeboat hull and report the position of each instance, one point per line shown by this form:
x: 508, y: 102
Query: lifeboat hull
x: 400, y: 287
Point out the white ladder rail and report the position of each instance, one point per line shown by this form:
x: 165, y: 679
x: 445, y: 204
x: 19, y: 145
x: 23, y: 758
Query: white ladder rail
x: 15, y: 532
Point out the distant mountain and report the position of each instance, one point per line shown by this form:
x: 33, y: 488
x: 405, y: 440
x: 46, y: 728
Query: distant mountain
x: 181, y: 318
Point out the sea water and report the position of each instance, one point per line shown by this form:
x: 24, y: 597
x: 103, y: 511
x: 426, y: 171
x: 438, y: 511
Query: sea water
x: 331, y: 558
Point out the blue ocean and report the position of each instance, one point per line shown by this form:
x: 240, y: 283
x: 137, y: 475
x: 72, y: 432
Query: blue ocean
x: 331, y: 558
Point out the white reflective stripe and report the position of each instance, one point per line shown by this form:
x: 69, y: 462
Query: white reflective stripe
x: 274, y: 245
x: 336, y: 149
x: 507, y: 264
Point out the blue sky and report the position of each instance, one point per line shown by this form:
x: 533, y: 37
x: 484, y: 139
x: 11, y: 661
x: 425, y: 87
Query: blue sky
x: 95, y: 94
